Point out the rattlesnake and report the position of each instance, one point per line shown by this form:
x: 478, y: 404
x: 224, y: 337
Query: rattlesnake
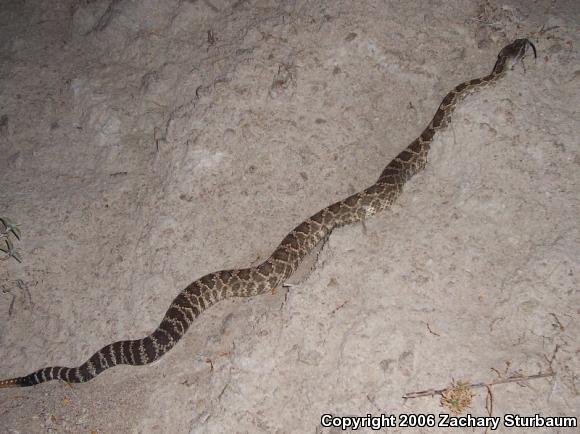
x: 210, y: 289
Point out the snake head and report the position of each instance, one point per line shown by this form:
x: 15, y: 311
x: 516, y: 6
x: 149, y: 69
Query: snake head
x: 515, y: 52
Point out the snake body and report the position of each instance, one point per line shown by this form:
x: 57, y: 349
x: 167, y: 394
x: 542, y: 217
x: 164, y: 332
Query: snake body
x: 247, y: 282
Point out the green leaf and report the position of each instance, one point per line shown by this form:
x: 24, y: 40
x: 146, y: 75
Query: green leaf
x: 9, y: 246
x: 16, y: 255
x: 16, y: 231
x: 10, y: 251
x: 10, y: 226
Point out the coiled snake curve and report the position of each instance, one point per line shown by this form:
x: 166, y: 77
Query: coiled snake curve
x: 275, y: 270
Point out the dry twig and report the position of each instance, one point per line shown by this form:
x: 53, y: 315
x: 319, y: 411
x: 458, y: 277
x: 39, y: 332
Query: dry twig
x: 517, y: 379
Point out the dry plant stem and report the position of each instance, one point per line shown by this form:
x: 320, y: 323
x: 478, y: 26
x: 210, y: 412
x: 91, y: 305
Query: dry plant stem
x: 488, y: 404
x: 432, y: 392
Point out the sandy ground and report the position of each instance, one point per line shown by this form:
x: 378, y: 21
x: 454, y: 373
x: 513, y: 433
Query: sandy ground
x: 144, y: 144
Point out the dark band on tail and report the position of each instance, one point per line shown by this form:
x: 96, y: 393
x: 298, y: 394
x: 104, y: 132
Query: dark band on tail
x: 184, y: 309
